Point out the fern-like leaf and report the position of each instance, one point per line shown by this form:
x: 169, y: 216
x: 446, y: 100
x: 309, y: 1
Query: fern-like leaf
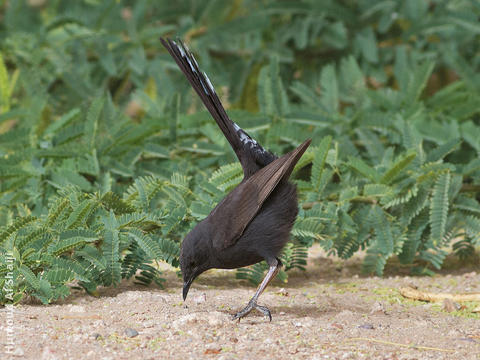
x: 397, y: 168
x: 146, y: 243
x: 363, y: 168
x: 319, y: 162
x: 382, y: 230
x: 112, y: 272
x: 439, y: 205
x: 17, y: 225
x: 29, y: 276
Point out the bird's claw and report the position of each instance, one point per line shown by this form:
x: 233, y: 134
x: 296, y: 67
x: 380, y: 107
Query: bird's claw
x: 250, y: 306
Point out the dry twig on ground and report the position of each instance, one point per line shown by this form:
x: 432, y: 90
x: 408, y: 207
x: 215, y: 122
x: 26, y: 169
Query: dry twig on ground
x: 412, y: 293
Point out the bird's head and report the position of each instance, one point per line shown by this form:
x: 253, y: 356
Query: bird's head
x: 194, y: 257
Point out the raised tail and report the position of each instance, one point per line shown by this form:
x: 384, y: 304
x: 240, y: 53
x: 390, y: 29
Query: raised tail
x: 251, y: 155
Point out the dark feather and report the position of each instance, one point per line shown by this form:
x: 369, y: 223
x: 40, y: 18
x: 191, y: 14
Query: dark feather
x: 243, y: 203
x: 251, y: 155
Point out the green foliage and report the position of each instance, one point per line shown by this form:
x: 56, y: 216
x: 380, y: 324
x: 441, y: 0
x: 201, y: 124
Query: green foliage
x: 89, y: 239
x: 107, y: 159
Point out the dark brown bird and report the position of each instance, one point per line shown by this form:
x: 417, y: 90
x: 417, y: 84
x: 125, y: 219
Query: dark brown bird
x: 253, y: 222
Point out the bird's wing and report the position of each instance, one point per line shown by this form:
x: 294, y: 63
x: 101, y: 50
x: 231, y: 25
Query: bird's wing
x: 251, y: 154
x: 231, y: 216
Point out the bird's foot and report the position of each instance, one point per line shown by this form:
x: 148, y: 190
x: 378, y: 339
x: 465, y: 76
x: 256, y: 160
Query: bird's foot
x: 250, y: 306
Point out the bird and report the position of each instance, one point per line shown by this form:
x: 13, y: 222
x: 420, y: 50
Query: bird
x: 253, y: 222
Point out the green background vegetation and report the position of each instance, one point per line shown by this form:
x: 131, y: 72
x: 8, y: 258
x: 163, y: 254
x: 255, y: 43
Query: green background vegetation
x: 107, y: 157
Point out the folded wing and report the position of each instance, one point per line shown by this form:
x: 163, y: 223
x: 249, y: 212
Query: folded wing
x: 240, y: 206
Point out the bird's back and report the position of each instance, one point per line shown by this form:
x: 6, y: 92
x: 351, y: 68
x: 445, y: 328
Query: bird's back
x: 267, y: 233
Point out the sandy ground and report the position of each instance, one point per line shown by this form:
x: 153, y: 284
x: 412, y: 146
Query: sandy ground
x: 328, y: 312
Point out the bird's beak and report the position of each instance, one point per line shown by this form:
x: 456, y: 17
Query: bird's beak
x: 186, y: 287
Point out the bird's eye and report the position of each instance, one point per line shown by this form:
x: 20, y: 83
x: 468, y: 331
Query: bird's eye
x: 192, y: 263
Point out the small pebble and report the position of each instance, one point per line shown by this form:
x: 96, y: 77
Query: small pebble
x: 366, y: 326
x: 129, y: 332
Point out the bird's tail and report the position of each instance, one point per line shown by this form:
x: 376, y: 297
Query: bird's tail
x: 237, y: 137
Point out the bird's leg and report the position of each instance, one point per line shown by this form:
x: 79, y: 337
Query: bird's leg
x: 252, y: 304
